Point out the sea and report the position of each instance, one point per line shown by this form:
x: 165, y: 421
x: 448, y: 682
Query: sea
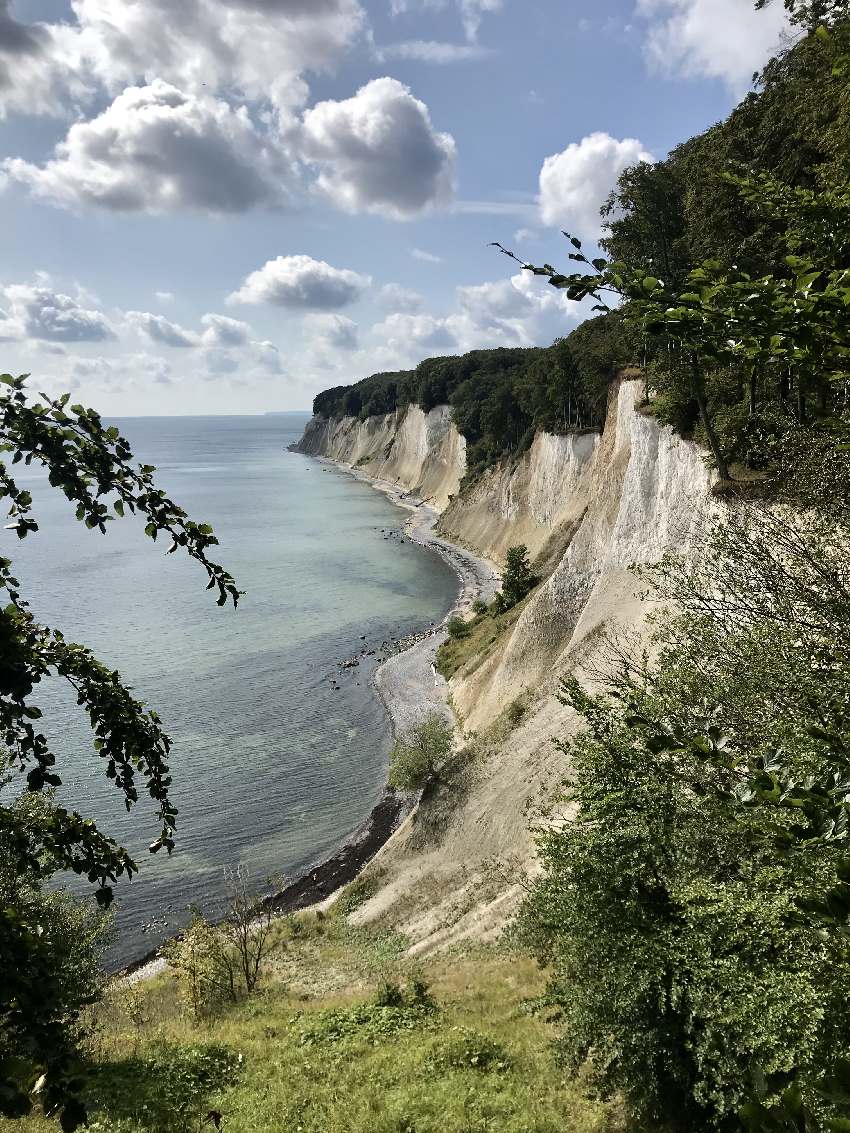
x: 273, y: 766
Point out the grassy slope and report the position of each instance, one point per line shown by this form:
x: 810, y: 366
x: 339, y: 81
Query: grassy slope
x: 298, y: 1074
x: 468, y: 652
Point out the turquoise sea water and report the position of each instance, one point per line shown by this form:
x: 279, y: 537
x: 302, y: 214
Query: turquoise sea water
x: 271, y: 766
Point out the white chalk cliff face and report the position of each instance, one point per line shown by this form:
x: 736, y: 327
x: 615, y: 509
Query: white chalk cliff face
x: 588, y: 506
x: 422, y: 452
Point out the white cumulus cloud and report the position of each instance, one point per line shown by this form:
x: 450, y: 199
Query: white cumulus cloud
x: 332, y: 331
x: 158, y: 329
x: 301, y: 282
x: 267, y: 356
x: 157, y: 149
x: 720, y: 39
x: 379, y: 152
x: 257, y: 49
x: 40, y: 312
x: 413, y: 334
x: 223, y: 331
x: 394, y: 297
x: 575, y: 183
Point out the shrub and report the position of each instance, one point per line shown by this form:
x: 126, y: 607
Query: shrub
x: 393, y: 1011
x: 51, y: 946
x: 479, y: 607
x: 516, y: 710
x: 416, y: 760
x: 458, y: 628
x: 170, y: 1091
x: 215, y: 964
x: 195, y: 958
x: 465, y: 1049
x: 361, y: 890
x: 517, y: 580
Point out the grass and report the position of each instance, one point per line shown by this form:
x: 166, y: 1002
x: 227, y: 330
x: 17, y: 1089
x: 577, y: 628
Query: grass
x: 470, y: 650
x: 347, y: 1036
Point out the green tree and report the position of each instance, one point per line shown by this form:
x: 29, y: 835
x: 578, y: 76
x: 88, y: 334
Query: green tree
x: 518, y: 579
x: 417, y: 758
x: 92, y: 465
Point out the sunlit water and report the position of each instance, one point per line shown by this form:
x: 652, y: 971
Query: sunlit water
x: 272, y: 767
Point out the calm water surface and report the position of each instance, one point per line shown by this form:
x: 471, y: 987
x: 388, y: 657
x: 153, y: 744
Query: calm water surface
x: 271, y: 766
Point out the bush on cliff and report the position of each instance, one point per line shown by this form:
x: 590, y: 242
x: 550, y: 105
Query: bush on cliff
x: 517, y: 581
x: 417, y: 758
x: 458, y: 628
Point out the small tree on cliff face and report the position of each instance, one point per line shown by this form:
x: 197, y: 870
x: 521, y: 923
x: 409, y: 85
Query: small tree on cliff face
x: 418, y: 757
x: 92, y: 465
x: 517, y: 580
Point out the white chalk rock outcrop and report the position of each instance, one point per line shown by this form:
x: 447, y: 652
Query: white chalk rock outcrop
x: 421, y: 452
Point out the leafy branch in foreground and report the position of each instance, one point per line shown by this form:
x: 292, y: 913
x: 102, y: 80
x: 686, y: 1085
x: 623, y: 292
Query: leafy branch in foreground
x: 92, y: 465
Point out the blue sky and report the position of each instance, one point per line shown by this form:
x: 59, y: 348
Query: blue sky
x: 224, y: 206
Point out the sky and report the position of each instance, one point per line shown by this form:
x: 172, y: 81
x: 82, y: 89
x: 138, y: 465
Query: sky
x: 226, y: 206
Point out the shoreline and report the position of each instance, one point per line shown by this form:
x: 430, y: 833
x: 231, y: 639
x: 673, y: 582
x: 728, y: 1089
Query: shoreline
x: 406, y: 682
x: 410, y: 689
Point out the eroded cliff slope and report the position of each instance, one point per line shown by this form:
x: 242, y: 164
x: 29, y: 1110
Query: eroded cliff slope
x: 421, y: 452
x: 587, y: 506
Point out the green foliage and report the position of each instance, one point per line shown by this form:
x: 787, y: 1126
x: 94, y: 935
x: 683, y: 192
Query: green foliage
x: 470, y: 649
x: 195, y: 958
x: 220, y: 963
x: 417, y: 758
x: 173, y: 1089
x: 515, y: 711
x: 393, y: 1011
x: 463, y: 1048
x: 518, y: 579
x: 50, y: 957
x: 458, y: 628
x: 361, y: 890
x: 92, y: 465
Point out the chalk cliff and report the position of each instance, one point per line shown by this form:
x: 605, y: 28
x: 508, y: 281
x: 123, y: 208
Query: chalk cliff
x: 421, y: 452
x: 587, y: 506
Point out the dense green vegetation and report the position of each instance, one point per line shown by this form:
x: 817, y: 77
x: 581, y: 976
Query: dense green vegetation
x: 518, y: 579
x: 418, y: 757
x: 501, y: 397
x: 347, y: 1035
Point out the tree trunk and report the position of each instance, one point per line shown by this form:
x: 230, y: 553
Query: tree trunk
x: 707, y: 424
x: 753, y: 393
x: 801, y: 404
